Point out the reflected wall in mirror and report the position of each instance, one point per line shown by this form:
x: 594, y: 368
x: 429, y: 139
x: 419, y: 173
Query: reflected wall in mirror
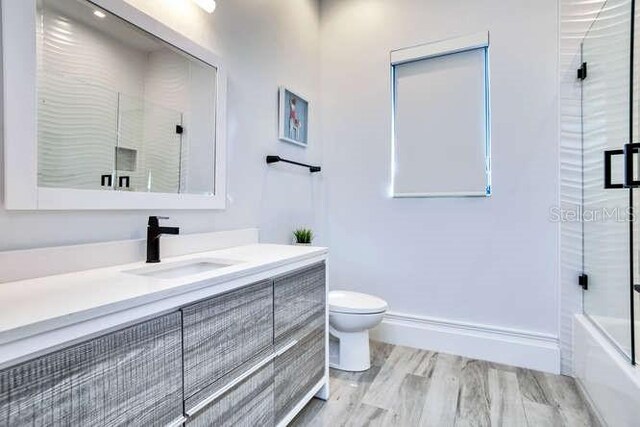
x: 119, y: 109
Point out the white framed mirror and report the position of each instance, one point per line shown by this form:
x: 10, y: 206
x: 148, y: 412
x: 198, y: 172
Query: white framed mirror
x: 107, y: 108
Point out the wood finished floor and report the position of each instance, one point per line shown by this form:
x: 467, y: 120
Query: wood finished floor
x: 409, y: 387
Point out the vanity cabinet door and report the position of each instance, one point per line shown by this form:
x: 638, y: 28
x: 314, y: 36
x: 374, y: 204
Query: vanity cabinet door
x: 129, y: 377
x: 248, y: 403
x: 299, y: 298
x: 222, y: 333
x: 4, y: 398
x: 299, y: 366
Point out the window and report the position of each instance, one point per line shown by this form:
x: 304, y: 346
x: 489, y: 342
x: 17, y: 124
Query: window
x: 441, y: 131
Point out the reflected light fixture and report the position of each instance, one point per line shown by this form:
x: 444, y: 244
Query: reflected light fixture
x: 100, y: 14
x: 208, y: 5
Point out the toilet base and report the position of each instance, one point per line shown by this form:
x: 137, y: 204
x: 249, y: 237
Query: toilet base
x: 349, y: 351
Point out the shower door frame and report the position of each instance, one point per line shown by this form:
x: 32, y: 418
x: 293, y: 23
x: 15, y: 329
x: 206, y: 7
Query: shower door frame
x: 632, y: 350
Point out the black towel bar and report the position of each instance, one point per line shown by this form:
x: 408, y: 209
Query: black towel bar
x: 276, y: 159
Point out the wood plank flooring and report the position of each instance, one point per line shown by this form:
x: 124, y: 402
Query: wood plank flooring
x: 409, y: 387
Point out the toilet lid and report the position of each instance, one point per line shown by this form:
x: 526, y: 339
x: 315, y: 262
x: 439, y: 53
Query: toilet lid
x: 355, y: 303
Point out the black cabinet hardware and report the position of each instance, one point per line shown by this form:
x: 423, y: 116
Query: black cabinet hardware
x: 276, y: 159
x: 636, y: 287
x: 179, y: 129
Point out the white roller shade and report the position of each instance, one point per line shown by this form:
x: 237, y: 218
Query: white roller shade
x: 441, y: 136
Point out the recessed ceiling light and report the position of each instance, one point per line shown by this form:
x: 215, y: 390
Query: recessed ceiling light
x: 100, y: 14
x: 208, y: 5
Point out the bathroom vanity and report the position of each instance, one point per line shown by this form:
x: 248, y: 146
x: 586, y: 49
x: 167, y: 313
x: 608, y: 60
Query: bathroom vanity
x: 241, y: 343
x: 108, y: 108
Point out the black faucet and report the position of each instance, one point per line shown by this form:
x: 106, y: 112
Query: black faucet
x: 153, y: 237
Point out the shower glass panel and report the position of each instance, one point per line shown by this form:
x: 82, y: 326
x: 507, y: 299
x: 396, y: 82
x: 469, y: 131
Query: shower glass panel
x: 635, y: 195
x: 606, y: 118
x: 149, y: 150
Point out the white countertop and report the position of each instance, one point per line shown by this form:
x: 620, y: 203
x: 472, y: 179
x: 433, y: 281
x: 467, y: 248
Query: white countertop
x: 44, y: 303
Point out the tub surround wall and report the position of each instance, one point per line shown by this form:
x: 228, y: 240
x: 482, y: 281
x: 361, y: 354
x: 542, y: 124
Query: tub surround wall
x: 491, y: 262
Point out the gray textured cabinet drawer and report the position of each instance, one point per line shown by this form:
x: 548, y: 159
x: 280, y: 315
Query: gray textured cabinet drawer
x: 128, y: 377
x: 299, y: 297
x: 299, y: 369
x: 4, y: 398
x: 249, y: 403
x: 223, y: 332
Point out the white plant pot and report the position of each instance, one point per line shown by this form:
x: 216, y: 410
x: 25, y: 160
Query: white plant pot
x: 301, y: 244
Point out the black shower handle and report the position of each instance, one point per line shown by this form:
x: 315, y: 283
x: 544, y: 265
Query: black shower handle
x: 607, y: 168
x: 629, y: 151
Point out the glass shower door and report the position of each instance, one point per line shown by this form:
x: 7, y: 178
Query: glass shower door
x: 606, y: 128
x: 149, y: 153
x: 634, y: 166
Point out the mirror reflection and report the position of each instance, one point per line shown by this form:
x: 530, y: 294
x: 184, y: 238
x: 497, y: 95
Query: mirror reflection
x: 120, y: 109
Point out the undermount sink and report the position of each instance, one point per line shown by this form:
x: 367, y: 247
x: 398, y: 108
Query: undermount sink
x: 175, y: 270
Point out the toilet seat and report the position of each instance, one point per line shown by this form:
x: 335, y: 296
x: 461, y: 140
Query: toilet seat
x: 355, y: 303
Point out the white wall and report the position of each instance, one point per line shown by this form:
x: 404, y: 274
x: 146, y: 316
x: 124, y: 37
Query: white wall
x: 264, y: 44
x: 482, y: 261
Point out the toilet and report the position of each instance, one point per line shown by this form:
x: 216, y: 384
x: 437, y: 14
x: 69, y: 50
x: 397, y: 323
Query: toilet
x: 351, y: 315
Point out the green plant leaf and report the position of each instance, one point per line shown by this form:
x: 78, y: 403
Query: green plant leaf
x: 303, y: 235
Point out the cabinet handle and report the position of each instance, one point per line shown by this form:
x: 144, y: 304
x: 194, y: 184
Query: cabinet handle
x: 286, y: 348
x: 218, y: 394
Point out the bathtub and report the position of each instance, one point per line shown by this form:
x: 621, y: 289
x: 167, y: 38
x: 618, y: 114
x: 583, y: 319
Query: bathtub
x: 606, y: 377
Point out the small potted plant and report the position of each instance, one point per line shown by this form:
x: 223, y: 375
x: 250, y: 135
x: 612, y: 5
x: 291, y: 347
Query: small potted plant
x: 303, y: 236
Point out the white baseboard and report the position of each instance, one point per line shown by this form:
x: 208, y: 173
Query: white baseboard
x: 501, y: 345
